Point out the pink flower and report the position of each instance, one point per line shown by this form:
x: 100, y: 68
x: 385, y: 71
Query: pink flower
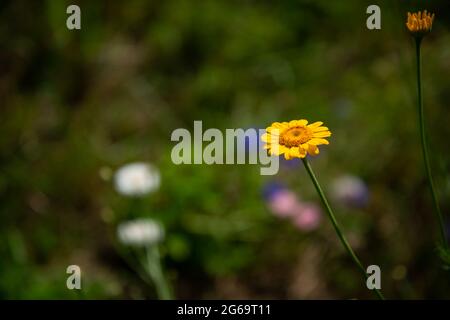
x: 284, y: 203
x: 307, y: 217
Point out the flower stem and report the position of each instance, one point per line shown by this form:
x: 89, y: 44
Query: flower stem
x: 154, y: 270
x: 423, y: 137
x: 336, y: 225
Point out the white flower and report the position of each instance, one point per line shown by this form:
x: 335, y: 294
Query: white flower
x: 140, y: 232
x: 350, y: 191
x: 137, y: 179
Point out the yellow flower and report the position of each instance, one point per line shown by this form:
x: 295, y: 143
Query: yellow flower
x: 295, y: 139
x: 420, y: 23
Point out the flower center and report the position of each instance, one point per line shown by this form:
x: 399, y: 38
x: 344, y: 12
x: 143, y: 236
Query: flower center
x: 295, y: 136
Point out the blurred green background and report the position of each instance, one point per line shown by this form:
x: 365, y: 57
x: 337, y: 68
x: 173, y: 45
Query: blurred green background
x: 77, y: 105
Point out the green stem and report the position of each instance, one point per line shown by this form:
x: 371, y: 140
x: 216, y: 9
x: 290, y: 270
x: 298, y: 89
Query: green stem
x: 336, y: 225
x: 154, y: 270
x: 423, y: 137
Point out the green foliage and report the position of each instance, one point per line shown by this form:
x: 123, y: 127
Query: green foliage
x: 76, y: 105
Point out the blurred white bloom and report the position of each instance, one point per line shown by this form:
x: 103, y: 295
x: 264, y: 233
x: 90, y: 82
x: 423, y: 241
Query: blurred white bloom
x: 350, y: 191
x: 140, y: 232
x: 137, y: 179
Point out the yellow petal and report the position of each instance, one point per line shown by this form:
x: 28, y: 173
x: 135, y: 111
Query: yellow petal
x: 319, y: 129
x: 315, y: 124
x: 279, y: 125
x: 283, y: 149
x: 302, y: 153
x: 302, y: 122
x: 313, y: 150
x: 266, y: 137
x: 324, y: 134
x: 293, y: 123
x: 318, y: 141
x: 275, y: 150
x: 269, y: 138
x: 294, y: 152
x: 278, y: 150
x: 273, y: 130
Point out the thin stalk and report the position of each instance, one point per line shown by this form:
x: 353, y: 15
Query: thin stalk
x: 336, y: 225
x: 154, y: 270
x: 423, y: 137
